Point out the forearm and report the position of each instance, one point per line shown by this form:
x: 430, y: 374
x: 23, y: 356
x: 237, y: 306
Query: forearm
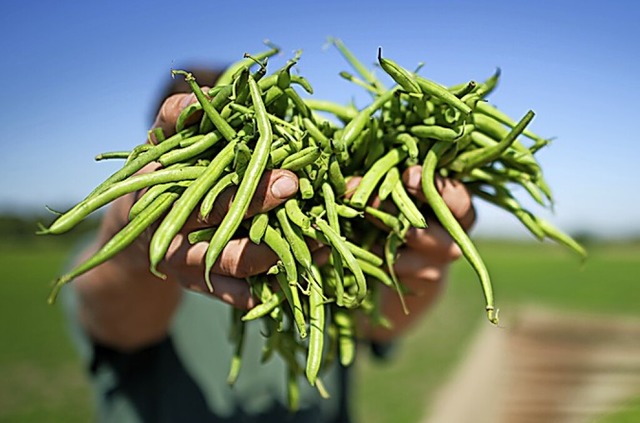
x: 121, y: 304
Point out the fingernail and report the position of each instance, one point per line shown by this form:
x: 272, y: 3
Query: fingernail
x: 284, y: 187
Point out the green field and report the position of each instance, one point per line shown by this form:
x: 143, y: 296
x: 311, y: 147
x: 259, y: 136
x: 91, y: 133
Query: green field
x: 42, y: 379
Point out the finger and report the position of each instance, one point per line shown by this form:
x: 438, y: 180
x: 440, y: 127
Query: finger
x: 274, y: 188
x: 453, y: 192
x: 230, y: 290
x: 414, y: 264
x: 434, y: 242
x: 171, y: 109
x: 240, y: 258
x: 426, y: 291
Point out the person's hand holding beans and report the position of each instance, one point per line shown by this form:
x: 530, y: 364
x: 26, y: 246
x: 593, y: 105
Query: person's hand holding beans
x: 423, y: 261
x: 124, y: 285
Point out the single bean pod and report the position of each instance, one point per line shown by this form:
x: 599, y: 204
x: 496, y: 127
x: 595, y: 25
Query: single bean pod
x: 247, y: 187
x: 121, y: 240
x: 452, y: 226
x: 370, y: 179
x: 70, y: 219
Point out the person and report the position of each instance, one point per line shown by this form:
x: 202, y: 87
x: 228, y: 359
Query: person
x: 158, y: 351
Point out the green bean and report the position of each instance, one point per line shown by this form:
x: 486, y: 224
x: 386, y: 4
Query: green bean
x: 489, y: 85
x: 203, y: 143
x: 351, y: 78
x: 185, y: 114
x: 316, y: 133
x: 346, y: 341
x: 486, y: 109
x: 344, y: 113
x: 274, y: 119
x: 376, y: 146
x: 388, y: 183
x: 496, y: 130
x: 271, y: 81
x: 278, y: 155
x: 70, y: 219
x: 221, y: 125
x: 355, y: 63
x: 533, y: 190
x: 247, y: 187
x: 391, y: 245
x: 452, y: 226
x: 330, y: 207
x: 258, y: 227
x: 407, y: 207
x: 150, y: 196
x: 206, y: 205
x: 529, y: 166
x: 301, y: 159
x: 336, y: 177
x: 295, y: 239
x: 288, y: 281
x: 363, y: 254
x: 334, y: 224
x: 440, y: 133
x: 200, y: 235
x: 121, y: 240
x: 293, y: 390
x: 298, y: 102
x: 370, y: 179
x: 272, y: 95
x: 228, y: 75
x: 306, y: 188
x: 359, y: 149
x: 300, y: 80
x: 156, y: 136
x: 503, y: 199
x: 345, y: 211
x: 377, y: 273
x: 389, y: 220
x: 136, y: 151
x: 295, y: 143
x: 241, y: 86
x: 112, y: 155
x: 266, y: 307
x: 237, y: 337
x: 183, y: 208
x: 316, y: 329
x: 441, y: 93
x: 347, y: 256
x: 142, y: 160
x: 463, y: 89
x: 403, y: 77
x: 476, y: 158
x: 409, y: 143
x: 358, y: 123
x: 557, y: 235
x: 296, y: 215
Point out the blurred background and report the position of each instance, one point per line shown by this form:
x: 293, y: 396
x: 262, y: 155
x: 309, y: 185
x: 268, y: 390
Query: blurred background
x: 81, y: 78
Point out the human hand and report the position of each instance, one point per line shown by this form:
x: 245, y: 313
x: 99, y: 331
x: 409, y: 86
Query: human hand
x: 422, y: 262
x: 184, y: 263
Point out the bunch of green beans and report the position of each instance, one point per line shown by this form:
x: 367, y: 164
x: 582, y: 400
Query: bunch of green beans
x: 253, y: 121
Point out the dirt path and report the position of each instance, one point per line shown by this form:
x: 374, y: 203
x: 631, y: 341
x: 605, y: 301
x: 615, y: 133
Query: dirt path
x: 545, y: 367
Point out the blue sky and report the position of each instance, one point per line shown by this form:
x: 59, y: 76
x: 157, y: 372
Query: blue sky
x: 80, y: 78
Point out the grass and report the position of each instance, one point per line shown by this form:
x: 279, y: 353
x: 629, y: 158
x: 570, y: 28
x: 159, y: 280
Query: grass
x: 41, y: 376
x: 524, y: 274
x: 43, y: 381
